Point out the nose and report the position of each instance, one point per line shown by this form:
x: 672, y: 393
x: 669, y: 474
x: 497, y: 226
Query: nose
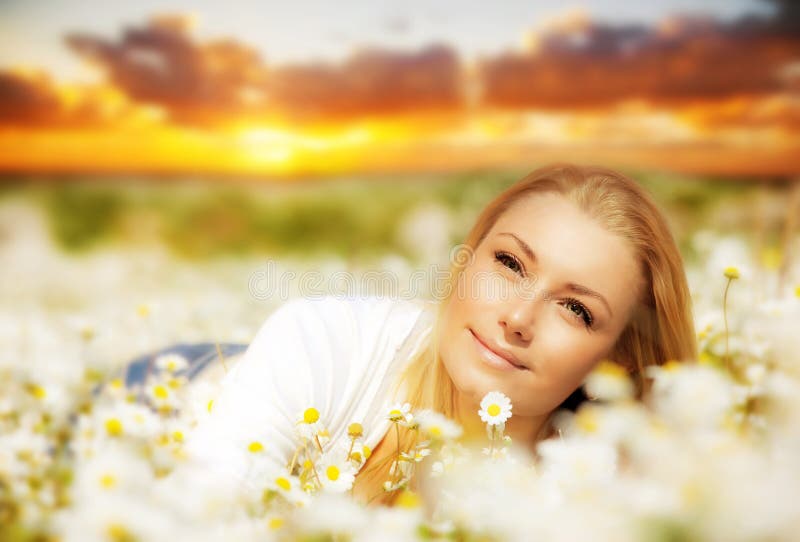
x: 519, y: 317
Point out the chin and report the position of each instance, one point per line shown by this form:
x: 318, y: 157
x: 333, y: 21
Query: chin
x: 469, y: 375
x: 478, y: 382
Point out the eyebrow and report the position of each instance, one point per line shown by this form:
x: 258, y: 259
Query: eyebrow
x: 577, y: 288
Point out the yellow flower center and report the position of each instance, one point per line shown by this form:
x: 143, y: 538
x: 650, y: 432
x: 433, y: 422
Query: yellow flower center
x: 395, y: 414
x: 177, y: 436
x: 355, y: 430
x: 114, y: 427
x: 705, y: 359
x: 771, y: 258
x: 210, y: 405
x: 39, y: 392
x: 586, y: 420
x: 731, y: 272
x: 408, y: 499
x: 493, y: 410
x: 255, y: 447
x: 609, y: 368
x: 107, y: 481
x: 119, y: 533
x: 435, y: 431
x: 160, y: 392
x: 87, y: 334
x: 311, y: 415
x: 116, y: 383
x: 283, y: 483
x: 275, y: 523
x: 332, y: 473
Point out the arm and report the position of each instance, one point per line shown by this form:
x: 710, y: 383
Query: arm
x: 335, y: 354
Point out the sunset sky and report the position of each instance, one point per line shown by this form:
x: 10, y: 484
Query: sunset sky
x: 268, y: 88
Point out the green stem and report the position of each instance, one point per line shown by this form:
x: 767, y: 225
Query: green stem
x: 313, y: 468
x: 725, y: 320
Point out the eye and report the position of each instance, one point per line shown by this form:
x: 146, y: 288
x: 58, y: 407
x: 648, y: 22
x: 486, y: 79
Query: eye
x: 510, y: 261
x: 580, y: 312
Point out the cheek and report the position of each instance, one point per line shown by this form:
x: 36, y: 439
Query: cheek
x: 569, y: 366
x: 483, y: 286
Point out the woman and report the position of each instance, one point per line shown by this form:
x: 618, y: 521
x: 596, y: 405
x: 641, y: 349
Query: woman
x: 568, y: 266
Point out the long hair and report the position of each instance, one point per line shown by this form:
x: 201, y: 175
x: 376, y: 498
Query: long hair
x: 660, y: 329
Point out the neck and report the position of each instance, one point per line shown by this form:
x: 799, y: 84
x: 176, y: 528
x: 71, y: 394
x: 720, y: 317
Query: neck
x: 523, y: 430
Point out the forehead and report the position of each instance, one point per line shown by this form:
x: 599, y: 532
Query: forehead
x: 571, y: 244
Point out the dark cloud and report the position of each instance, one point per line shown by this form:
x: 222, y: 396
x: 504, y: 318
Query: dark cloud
x: 220, y: 81
x: 684, y: 59
x: 27, y: 100
x: 33, y: 100
x: 160, y: 64
x: 371, y: 82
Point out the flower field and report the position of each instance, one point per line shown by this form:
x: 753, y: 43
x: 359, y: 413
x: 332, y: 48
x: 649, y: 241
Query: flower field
x: 714, y: 454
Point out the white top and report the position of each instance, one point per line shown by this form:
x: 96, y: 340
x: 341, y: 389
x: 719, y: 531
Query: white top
x: 341, y: 355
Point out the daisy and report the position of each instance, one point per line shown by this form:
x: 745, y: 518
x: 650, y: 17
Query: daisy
x: 171, y: 363
x: 401, y: 413
x: 437, y: 426
x: 162, y: 396
x: 609, y: 381
x: 335, y: 471
x: 308, y: 425
x: 495, y: 408
x: 285, y: 484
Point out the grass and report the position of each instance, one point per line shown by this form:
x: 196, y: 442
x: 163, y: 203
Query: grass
x: 354, y: 218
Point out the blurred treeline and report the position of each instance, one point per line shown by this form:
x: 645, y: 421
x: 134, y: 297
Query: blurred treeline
x: 355, y: 218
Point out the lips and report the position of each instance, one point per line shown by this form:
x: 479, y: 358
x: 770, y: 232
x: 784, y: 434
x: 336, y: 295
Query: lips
x: 495, y: 356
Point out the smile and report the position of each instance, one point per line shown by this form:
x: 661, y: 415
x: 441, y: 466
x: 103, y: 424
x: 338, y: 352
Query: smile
x: 498, y: 360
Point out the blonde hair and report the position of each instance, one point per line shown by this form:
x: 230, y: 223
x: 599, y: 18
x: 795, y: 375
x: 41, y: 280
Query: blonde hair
x: 661, y: 328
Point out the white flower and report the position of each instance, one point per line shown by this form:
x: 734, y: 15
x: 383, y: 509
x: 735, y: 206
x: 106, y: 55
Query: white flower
x: 112, y: 467
x: 401, y: 413
x: 438, y: 426
x: 576, y: 461
x: 329, y: 515
x: 285, y: 484
x: 609, y: 381
x: 692, y: 396
x: 335, y: 471
x: 171, y: 362
x: 162, y: 395
x: 495, y: 453
x: 495, y: 408
x: 308, y: 425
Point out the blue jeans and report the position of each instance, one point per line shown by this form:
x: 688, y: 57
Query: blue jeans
x: 199, y: 356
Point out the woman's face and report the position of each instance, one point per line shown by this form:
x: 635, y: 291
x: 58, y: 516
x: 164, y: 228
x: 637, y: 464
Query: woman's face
x: 524, y: 297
